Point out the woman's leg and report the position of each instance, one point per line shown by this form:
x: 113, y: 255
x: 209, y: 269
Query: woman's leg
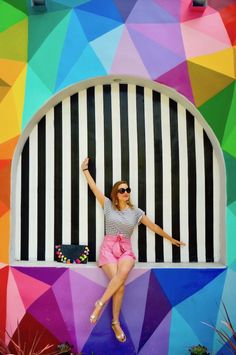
x: 118, y: 280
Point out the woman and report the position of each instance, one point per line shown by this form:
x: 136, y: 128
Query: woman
x: 116, y: 257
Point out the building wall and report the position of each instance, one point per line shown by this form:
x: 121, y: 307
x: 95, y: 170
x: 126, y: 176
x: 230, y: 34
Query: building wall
x: 166, y: 41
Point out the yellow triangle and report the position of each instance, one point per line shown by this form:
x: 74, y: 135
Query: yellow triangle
x: 18, y: 90
x: 221, y: 62
x: 10, y: 126
x: 10, y: 69
x: 206, y: 82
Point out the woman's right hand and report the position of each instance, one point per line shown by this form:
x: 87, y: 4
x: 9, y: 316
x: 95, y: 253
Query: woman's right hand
x: 85, y: 164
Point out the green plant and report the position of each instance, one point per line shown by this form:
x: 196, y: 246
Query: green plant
x: 199, y: 350
x: 229, y: 340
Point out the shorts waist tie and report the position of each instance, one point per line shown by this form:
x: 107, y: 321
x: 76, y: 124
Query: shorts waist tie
x: 120, y: 244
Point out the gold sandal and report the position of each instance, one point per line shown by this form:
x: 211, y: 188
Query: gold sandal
x: 121, y: 337
x: 93, y: 318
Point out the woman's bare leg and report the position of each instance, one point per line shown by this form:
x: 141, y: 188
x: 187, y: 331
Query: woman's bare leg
x: 118, y: 276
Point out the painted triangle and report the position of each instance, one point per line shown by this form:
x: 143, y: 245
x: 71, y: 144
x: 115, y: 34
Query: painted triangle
x: 47, y: 275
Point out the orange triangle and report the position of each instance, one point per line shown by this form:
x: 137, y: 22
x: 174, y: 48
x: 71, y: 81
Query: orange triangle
x: 5, y: 175
x: 5, y: 237
x: 3, y: 208
x: 10, y: 70
x: 7, y: 148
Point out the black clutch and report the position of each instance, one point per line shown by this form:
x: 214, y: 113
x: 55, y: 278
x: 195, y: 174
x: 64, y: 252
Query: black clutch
x: 72, y: 253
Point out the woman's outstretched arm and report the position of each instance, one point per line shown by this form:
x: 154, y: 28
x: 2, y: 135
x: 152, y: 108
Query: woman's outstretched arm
x: 97, y: 193
x: 158, y: 230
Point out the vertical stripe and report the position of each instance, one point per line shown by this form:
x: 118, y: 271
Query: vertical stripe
x: 116, y: 145
x: 99, y: 130
x: 25, y: 202
x: 33, y: 182
x: 167, y: 192
x: 158, y: 173
x: 200, y: 193
x: 150, y: 182
x: 142, y: 241
x: 216, y: 209
x: 174, y: 178
x: 74, y: 169
x: 66, y: 172
x: 209, y: 198
x: 183, y: 188
x: 92, y: 154
x: 124, y: 132
x: 83, y: 153
x: 133, y: 163
x: 58, y: 174
x: 191, y: 187
x: 107, y: 139
x: 41, y: 188
x: 17, y: 242
x: 49, y: 211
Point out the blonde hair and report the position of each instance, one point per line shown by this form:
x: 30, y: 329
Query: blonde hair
x: 114, y: 191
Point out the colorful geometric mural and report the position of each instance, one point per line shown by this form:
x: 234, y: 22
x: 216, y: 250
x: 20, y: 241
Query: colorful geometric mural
x: 162, y: 313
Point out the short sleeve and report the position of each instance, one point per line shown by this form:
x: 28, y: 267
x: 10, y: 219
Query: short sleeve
x: 139, y: 214
x: 107, y: 205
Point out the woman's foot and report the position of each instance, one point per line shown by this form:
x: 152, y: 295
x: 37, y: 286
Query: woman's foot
x: 120, y: 336
x: 96, y: 312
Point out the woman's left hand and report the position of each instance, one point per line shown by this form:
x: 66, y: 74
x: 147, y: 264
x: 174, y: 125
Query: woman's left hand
x: 176, y: 242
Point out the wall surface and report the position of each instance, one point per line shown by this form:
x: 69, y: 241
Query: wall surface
x: 166, y: 41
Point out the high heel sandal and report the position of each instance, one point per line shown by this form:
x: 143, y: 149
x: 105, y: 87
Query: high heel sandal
x: 93, y: 318
x: 121, y: 337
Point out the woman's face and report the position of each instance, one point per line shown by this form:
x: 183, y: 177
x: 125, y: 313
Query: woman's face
x: 121, y: 194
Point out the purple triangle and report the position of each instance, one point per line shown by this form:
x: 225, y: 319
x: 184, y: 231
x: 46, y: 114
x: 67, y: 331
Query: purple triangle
x: 46, y: 274
x: 103, y: 339
x: 178, y: 78
x: 62, y: 293
x: 165, y: 59
x: 172, y: 7
x: 158, y: 343
x: 157, y: 307
x: 47, y: 312
x: 146, y: 11
x: 125, y: 7
x: 136, y: 290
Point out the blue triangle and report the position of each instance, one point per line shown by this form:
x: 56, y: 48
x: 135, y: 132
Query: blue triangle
x: 74, y: 45
x: 95, y: 25
x: 87, y: 66
x: 203, y: 306
x: 102, y: 8
x: 179, y: 284
x: 106, y: 46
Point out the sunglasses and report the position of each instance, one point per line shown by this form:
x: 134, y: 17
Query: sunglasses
x: 122, y: 190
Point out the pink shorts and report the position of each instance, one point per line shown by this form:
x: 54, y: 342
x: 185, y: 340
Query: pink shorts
x: 115, y: 248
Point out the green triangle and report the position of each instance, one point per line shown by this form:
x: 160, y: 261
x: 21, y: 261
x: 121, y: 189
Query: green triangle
x: 9, y: 15
x: 41, y: 26
x: 13, y: 42
x: 46, y: 60
x: 21, y: 5
x: 230, y: 163
x: 229, y: 139
x: 216, y: 110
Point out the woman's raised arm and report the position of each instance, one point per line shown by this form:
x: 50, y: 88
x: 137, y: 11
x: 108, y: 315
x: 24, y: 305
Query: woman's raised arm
x: 97, y: 193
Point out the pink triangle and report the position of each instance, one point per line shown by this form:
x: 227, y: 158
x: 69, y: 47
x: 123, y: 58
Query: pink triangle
x: 30, y: 289
x: 159, y: 340
x: 84, y: 295
x: 188, y: 13
x: 173, y: 7
x: 178, y: 78
x: 15, y: 306
x: 197, y: 43
x: 168, y: 35
x: 212, y: 26
x: 127, y: 60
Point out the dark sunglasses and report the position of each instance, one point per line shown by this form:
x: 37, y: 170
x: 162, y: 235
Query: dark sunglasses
x: 122, y: 190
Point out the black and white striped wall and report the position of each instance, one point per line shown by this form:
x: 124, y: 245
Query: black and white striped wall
x: 131, y: 129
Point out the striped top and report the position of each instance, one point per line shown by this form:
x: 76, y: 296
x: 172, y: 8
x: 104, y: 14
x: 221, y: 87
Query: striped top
x: 121, y: 222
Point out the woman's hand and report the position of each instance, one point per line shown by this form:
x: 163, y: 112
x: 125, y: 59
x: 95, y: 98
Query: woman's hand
x: 84, y: 165
x: 176, y: 242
